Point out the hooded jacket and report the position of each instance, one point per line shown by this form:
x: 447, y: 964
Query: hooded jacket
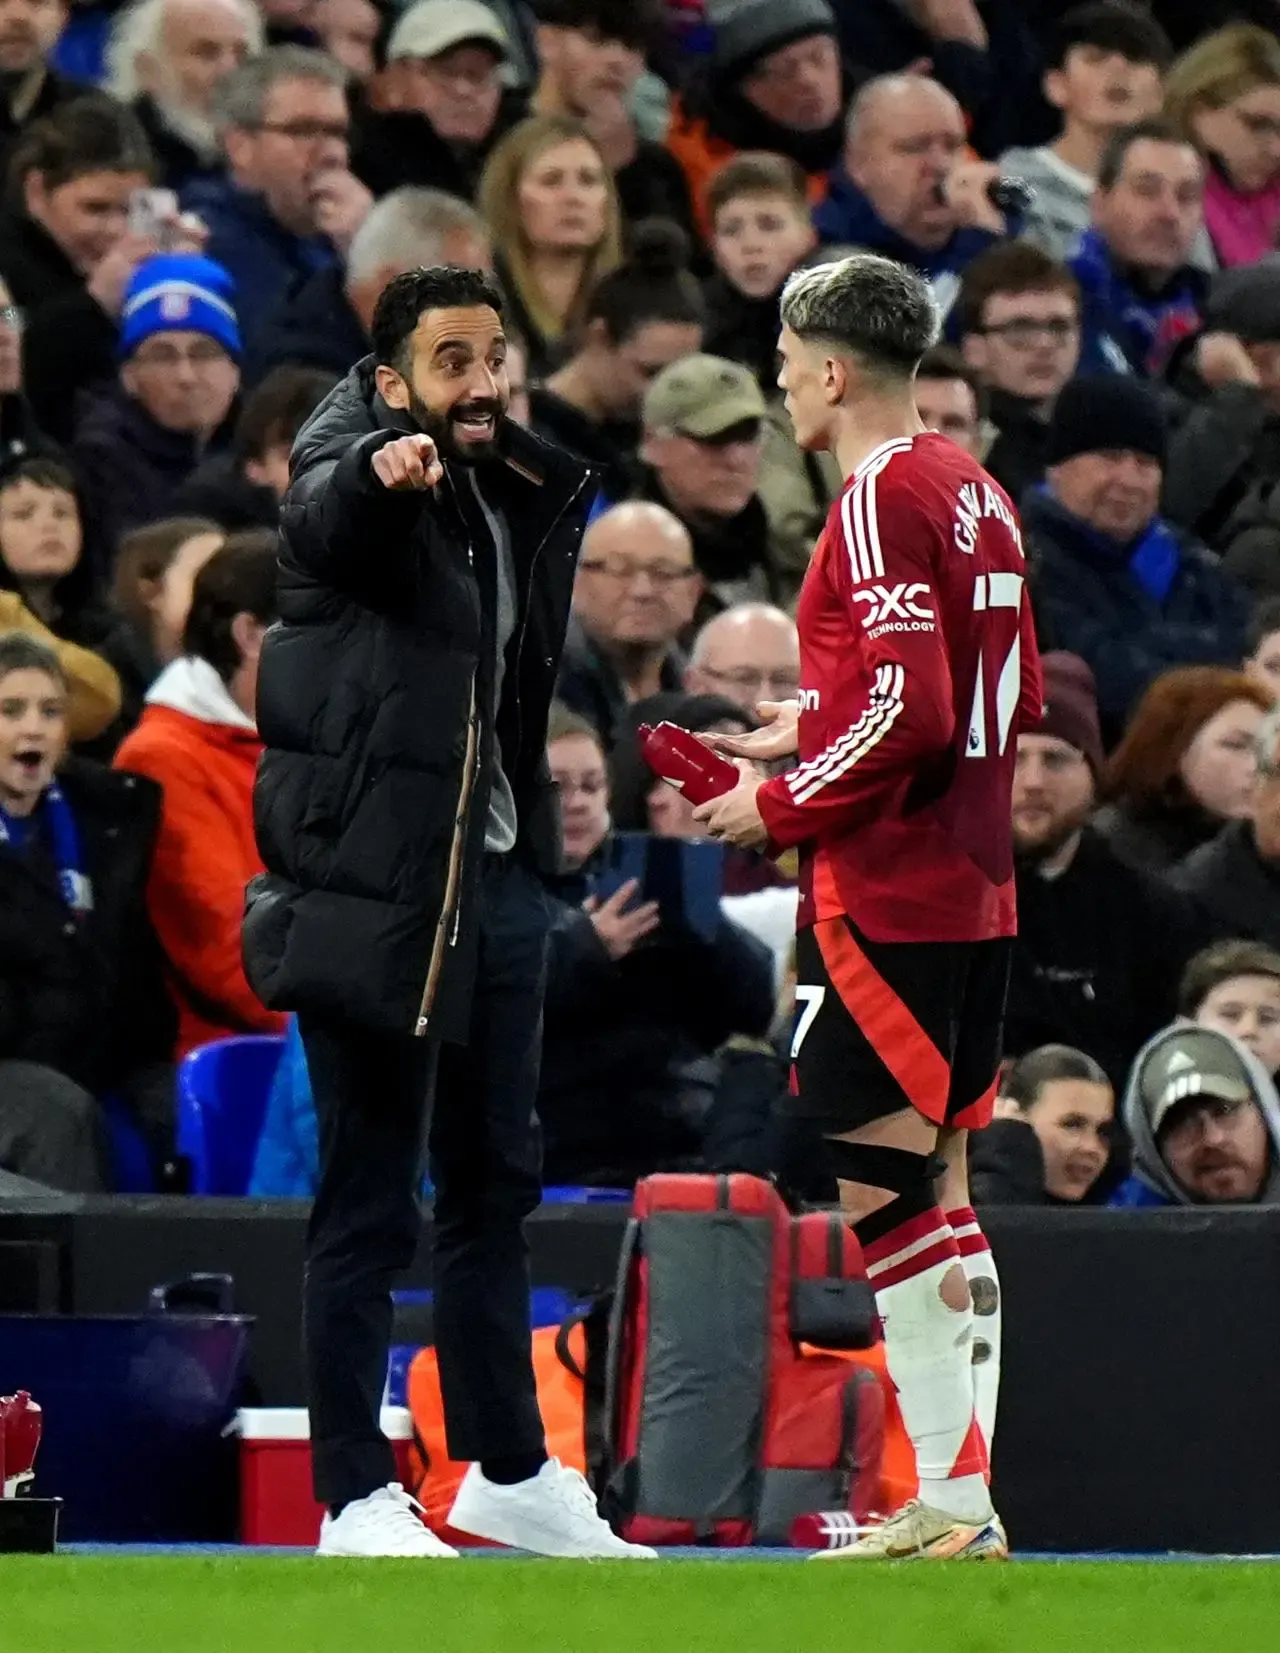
x: 202, y: 750
x: 375, y: 698
x: 1151, y: 1181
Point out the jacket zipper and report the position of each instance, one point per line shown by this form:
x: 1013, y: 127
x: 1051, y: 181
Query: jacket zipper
x: 447, y: 925
x: 451, y: 908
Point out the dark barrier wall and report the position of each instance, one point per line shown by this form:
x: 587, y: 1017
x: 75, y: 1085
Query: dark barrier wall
x: 1141, y: 1399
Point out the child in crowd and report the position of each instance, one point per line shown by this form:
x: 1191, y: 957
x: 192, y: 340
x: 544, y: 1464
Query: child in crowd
x: 83, y: 1009
x: 151, y: 590
x: 1051, y: 1138
x: 47, y: 589
x: 1105, y: 69
x: 1234, y: 986
x: 760, y: 232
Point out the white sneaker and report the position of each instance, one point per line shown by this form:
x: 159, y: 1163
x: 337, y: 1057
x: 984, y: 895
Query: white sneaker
x: 552, y: 1513
x: 387, y: 1522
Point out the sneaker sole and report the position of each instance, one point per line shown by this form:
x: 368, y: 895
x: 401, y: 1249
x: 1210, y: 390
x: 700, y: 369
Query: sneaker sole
x: 984, y: 1545
x: 459, y: 1524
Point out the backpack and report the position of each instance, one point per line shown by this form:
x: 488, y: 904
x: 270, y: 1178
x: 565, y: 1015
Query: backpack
x: 723, y: 1422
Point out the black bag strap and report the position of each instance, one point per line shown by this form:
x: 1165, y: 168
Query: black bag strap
x: 594, y: 1318
x: 835, y: 1246
x: 632, y: 1242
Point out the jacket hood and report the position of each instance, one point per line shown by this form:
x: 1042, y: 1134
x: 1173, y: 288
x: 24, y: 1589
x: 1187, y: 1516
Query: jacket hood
x: 1148, y: 1166
x: 193, y: 687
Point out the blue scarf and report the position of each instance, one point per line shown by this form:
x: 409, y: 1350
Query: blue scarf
x: 1154, y: 560
x: 56, y: 814
x: 1151, y: 325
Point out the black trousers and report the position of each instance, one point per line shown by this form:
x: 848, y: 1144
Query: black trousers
x: 377, y: 1097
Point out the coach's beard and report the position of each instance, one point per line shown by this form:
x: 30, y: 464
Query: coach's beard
x: 467, y: 434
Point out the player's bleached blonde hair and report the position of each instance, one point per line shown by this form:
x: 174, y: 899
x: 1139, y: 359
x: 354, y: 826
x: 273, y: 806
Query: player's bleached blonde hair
x: 867, y: 306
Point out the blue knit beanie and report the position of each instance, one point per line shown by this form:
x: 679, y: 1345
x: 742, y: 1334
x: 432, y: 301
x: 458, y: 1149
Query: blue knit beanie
x: 179, y: 293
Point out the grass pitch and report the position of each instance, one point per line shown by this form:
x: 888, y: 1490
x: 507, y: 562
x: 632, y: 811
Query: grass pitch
x: 216, y: 1604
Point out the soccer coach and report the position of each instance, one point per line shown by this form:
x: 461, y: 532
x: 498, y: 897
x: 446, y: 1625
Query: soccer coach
x: 403, y: 812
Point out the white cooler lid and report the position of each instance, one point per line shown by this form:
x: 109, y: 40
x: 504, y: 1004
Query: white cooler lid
x: 292, y: 1423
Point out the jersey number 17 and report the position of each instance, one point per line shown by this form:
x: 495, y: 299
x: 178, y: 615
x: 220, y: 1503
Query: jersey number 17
x: 991, y: 718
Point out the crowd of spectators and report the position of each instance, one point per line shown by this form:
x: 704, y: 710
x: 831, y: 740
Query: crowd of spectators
x: 202, y: 202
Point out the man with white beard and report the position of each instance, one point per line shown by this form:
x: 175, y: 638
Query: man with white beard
x: 165, y: 59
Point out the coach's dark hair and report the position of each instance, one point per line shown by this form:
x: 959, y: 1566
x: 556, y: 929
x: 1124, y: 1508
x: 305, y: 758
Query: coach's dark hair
x: 240, y: 578
x: 407, y: 297
x: 868, y: 306
x: 21, y: 653
x: 1029, y: 1075
x: 1118, y: 145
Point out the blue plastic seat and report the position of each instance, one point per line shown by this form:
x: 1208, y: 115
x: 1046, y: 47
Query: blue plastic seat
x: 222, y: 1100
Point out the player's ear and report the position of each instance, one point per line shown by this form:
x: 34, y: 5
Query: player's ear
x: 391, y: 387
x: 835, y: 380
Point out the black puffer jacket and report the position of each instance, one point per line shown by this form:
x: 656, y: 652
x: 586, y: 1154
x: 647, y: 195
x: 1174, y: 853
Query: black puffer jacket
x: 374, y: 699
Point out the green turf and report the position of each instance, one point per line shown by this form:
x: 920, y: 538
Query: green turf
x: 232, y: 1605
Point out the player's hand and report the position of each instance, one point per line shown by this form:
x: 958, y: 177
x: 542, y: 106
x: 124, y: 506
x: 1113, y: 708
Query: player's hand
x: 408, y: 463
x: 734, y: 817
x: 777, y: 739
x: 1221, y: 359
x: 965, y: 188
x: 618, y: 925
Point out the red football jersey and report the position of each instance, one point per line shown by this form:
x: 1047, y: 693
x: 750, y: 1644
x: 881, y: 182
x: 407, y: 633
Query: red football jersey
x: 918, y: 666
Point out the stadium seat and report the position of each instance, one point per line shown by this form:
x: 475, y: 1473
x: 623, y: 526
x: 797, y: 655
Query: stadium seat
x: 222, y: 1098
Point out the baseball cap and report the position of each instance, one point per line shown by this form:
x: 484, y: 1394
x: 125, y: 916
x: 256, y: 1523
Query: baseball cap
x: 1193, y: 1062
x: 431, y: 27
x: 702, y: 396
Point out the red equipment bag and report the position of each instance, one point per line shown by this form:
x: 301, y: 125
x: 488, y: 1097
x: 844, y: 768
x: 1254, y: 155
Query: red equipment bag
x: 719, y: 1427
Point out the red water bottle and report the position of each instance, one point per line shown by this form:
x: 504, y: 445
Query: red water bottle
x: 20, y: 1420
x: 682, y: 760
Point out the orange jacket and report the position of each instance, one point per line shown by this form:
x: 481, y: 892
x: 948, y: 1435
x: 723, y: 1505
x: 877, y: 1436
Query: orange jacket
x: 700, y: 154
x: 205, y: 853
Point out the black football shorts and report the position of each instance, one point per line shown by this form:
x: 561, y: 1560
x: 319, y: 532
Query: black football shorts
x: 886, y: 1025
